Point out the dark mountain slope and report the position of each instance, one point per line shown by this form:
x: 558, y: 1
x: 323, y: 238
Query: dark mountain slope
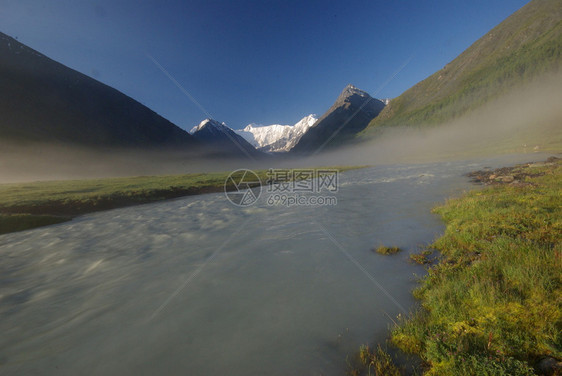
x: 525, y: 45
x: 350, y: 114
x: 45, y: 101
x: 222, y: 141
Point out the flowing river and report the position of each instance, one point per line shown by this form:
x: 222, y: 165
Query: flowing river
x: 198, y: 286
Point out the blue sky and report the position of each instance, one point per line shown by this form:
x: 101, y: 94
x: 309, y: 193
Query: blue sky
x: 247, y: 62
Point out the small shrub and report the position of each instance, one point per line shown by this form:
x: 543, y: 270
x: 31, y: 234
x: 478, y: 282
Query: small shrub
x: 421, y: 258
x: 383, y: 250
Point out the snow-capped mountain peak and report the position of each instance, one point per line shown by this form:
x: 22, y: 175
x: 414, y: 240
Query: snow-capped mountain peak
x: 222, y: 138
x: 208, y: 123
x: 277, y: 137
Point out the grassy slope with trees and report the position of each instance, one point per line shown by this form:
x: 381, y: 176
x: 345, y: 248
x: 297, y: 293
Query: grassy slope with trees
x: 524, y: 46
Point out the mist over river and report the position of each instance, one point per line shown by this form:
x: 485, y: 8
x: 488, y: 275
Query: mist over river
x: 198, y: 286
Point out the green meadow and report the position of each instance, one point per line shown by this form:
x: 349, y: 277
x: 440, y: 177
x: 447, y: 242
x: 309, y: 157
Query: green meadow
x: 28, y: 205
x: 493, y: 303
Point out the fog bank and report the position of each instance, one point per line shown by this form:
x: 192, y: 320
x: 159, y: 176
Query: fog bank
x: 527, y: 120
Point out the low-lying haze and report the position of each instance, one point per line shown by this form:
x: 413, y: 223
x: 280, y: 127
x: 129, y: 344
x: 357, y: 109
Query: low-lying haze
x: 527, y: 120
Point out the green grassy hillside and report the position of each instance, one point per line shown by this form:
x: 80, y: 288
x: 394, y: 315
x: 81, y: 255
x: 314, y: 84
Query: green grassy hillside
x: 524, y: 46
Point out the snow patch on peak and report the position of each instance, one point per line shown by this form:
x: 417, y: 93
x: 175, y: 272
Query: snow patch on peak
x: 208, y: 123
x: 351, y: 90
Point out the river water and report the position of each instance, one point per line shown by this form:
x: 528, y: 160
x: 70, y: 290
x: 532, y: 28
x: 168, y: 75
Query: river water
x: 198, y: 286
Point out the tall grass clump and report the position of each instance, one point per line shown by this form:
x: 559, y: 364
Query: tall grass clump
x: 373, y: 362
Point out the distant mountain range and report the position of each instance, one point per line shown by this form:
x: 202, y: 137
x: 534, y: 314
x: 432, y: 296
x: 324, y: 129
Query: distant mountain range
x: 276, y: 137
x: 47, y: 102
x: 525, y: 45
x: 349, y: 115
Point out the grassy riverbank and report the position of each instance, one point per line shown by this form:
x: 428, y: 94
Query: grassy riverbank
x: 28, y: 205
x: 493, y: 304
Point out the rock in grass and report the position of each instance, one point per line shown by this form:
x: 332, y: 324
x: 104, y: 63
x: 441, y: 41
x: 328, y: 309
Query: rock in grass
x: 383, y: 250
x: 550, y: 366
